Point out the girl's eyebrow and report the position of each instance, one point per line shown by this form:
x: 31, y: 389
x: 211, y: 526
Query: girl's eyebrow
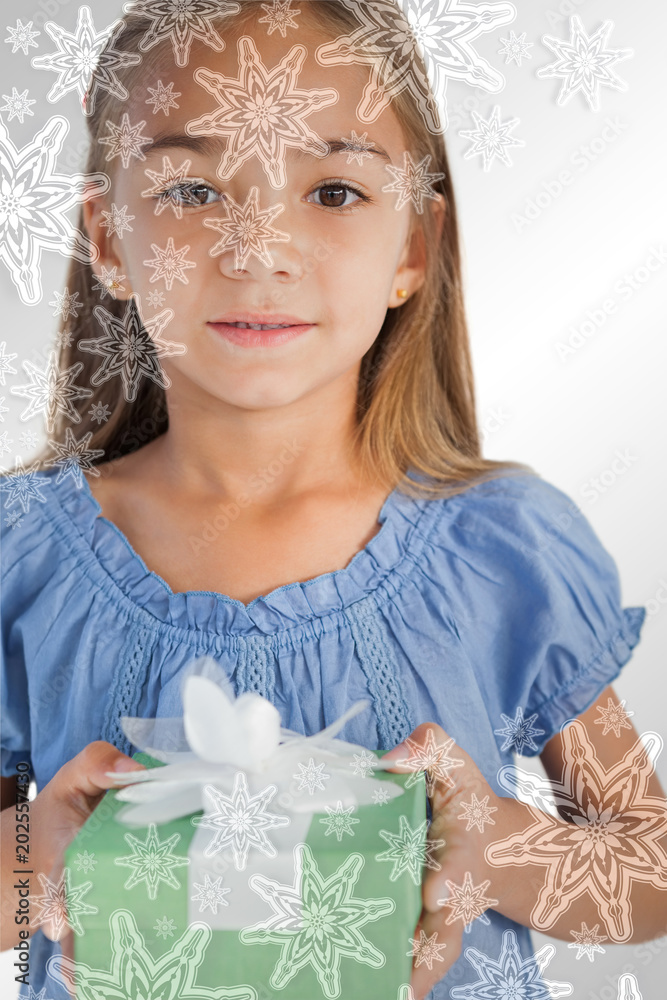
x: 215, y: 146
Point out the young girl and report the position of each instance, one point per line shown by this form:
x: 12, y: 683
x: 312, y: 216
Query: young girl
x: 265, y: 450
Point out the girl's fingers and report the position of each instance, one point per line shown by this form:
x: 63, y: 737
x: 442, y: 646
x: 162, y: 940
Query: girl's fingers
x: 85, y: 775
x: 438, y: 944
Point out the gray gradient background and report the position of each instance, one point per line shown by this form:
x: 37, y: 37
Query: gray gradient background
x: 565, y: 417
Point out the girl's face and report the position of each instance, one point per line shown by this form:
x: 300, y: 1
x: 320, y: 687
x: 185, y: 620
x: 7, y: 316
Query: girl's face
x: 332, y: 256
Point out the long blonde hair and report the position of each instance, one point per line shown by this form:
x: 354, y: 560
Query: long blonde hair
x: 416, y: 398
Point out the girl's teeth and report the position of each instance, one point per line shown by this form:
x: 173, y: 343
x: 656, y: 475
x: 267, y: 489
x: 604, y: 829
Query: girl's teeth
x: 260, y: 326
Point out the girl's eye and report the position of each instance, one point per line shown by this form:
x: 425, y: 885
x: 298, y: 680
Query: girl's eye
x: 334, y: 194
x: 191, y: 195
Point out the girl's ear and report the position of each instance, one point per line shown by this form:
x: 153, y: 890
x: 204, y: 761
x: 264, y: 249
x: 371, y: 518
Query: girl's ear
x: 107, y: 245
x: 411, y: 272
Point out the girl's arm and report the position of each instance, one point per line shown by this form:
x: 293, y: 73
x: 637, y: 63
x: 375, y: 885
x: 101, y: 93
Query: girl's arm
x: 604, y: 864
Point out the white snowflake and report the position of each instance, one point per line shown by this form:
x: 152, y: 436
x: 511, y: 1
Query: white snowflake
x: 614, y: 717
x: 628, y: 987
x: 584, y: 63
x: 433, y: 758
x: 5, y: 441
x: 152, y: 861
x: 587, y: 942
x: 409, y: 851
x: 22, y: 37
x: 240, y: 820
x: 61, y: 904
x: 66, y: 305
x: 247, y: 231
x: 413, y: 182
x: 14, y: 519
x: 99, y: 412
x: 155, y: 299
x: 491, y: 138
x: 426, y: 950
x: 183, y: 20
x: 51, y: 391
x: 467, y: 901
x: 3, y: 409
x: 381, y: 796
x: 86, y: 862
x: 165, y: 927
x: 405, y: 992
x: 519, y: 732
x: 357, y: 147
x: 512, y: 975
x: 163, y: 98
x: 169, y: 187
x: 317, y: 921
x: 311, y: 776
x: 86, y: 61
x: 131, y: 348
x: 18, y: 105
x: 34, y: 200
x: 442, y: 32
x: 477, y: 813
x: 5, y: 367
x: 73, y: 456
x: 362, y: 763
x: 64, y: 338
x: 109, y: 282
x: 125, y: 140
x: 210, y: 894
x: 23, y: 486
x: 339, y: 821
x: 169, y: 263
x: 262, y: 112
x: 28, y: 440
x: 117, y: 221
x: 515, y: 48
x: 279, y: 16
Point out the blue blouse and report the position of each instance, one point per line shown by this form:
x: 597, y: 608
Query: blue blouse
x: 470, y: 612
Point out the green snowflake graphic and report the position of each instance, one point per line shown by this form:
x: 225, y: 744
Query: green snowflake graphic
x: 409, y: 851
x: 317, y: 921
x: 152, y: 861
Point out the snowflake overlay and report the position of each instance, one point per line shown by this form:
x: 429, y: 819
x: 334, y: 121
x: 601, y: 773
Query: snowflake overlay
x: 442, y: 32
x: 628, y: 987
x: 262, y: 112
x: 75, y: 455
x: 169, y: 263
x: 34, y: 200
x: 317, y: 921
x: 22, y: 37
x: 409, y: 851
x: 587, y: 942
x: 612, y: 839
x: 362, y: 763
x: 311, y: 776
x: 86, y: 862
x: 109, y: 282
x: 165, y: 927
x: 426, y: 950
x: 511, y: 975
x: 117, y: 221
x: 5, y: 367
x: 163, y: 98
x: 131, y: 348
x: 51, y: 391
x: 584, y: 63
x: 62, y: 904
x: 381, y: 796
x: 18, y: 105
x: 24, y: 486
x: 339, y: 821
x: 99, y: 412
x: 240, y: 820
x: 614, y: 717
x: 169, y: 188
x: 467, y: 902
x: 490, y: 139
x: 66, y: 305
x: 183, y: 20
x: 86, y: 59
x: 357, y: 148
x: 413, y: 182
x: 136, y: 973
x: 247, y: 231
x: 210, y: 894
x: 155, y: 299
x: 433, y: 759
x: 477, y: 813
x: 125, y: 140
x: 518, y: 732
x: 152, y: 861
x: 279, y: 16
x: 515, y: 48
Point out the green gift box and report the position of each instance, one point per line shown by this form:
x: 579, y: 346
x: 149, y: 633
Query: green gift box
x: 164, y: 912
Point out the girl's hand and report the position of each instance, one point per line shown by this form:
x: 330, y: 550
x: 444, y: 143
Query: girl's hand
x: 455, y: 888
x: 59, y: 811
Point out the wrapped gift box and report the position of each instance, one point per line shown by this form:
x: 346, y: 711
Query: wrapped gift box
x: 178, y: 910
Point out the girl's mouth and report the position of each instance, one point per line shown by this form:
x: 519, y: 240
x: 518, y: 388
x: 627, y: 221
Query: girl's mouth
x: 260, y: 334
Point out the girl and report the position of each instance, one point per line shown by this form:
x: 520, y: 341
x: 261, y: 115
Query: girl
x: 266, y: 451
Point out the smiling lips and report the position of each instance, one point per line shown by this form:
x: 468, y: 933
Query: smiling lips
x: 257, y: 329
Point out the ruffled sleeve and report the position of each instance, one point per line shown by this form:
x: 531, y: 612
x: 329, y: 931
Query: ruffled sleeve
x: 539, y: 603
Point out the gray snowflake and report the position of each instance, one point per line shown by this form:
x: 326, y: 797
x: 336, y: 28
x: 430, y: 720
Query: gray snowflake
x: 339, y: 821
x: 5, y: 367
x: 66, y: 305
x: 27, y: 440
x: 210, y: 894
x: 18, y: 105
x: 515, y: 48
x: 311, y: 776
x: 491, y: 138
x: 5, y: 441
x: 512, y: 975
x: 86, y: 61
x: 169, y: 263
x: 74, y: 456
x: 163, y: 97
x: 117, y: 221
x: 519, y: 732
x: 61, y: 904
x: 99, y: 412
x: 409, y: 851
x: 183, y: 21
x: 152, y: 861
x: 22, y: 37
x: 413, y: 182
x: 51, y: 391
x: 109, y: 282
x: 125, y: 140
x: 362, y: 763
x: 279, y: 17
x: 14, y: 519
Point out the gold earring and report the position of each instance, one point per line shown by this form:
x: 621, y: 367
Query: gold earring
x: 402, y: 293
